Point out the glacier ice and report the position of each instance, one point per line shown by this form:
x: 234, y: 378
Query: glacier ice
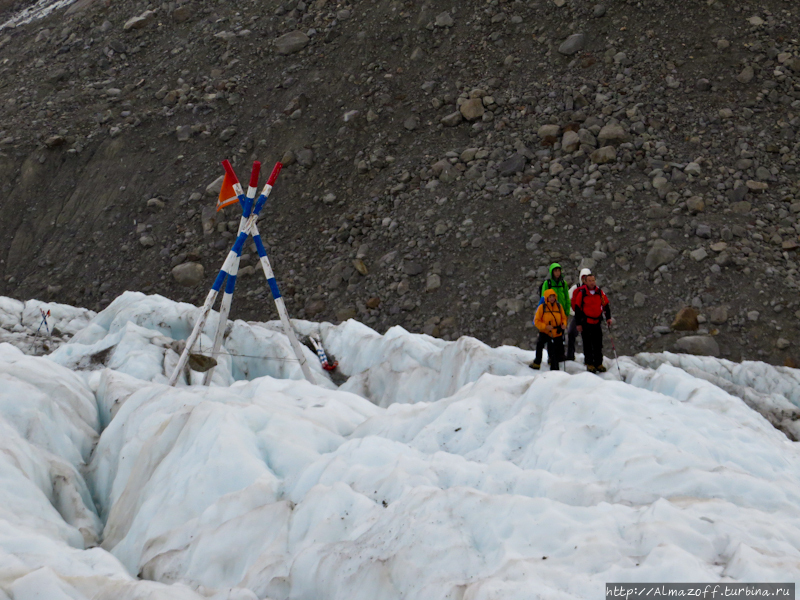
x: 437, y: 470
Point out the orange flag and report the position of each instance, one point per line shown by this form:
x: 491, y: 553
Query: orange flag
x: 227, y: 195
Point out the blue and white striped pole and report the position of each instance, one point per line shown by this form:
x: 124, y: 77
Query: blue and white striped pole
x: 230, y: 284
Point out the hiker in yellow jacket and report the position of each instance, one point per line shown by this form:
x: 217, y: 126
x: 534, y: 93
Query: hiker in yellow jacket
x: 551, y: 321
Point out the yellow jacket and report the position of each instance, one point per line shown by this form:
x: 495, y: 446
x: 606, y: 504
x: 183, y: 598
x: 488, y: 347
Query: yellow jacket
x: 550, y: 316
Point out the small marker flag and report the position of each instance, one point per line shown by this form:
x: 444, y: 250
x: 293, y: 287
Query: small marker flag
x: 227, y: 195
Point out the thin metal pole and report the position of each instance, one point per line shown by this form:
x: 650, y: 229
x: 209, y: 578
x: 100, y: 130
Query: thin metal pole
x: 614, y: 348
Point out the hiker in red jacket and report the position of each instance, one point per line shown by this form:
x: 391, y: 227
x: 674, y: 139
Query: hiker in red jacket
x: 590, y: 305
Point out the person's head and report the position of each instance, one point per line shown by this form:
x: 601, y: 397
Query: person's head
x: 584, y: 273
x: 555, y: 271
x: 590, y: 281
x: 550, y: 296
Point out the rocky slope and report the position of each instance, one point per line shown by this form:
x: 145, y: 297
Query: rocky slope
x: 439, y: 156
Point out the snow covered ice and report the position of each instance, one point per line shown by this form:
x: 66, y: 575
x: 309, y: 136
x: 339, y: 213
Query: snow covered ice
x: 438, y: 470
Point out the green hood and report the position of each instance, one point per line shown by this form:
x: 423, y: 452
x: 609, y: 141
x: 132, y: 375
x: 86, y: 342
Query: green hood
x: 555, y: 266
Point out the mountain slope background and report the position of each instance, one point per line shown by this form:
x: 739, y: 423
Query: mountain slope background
x: 438, y: 157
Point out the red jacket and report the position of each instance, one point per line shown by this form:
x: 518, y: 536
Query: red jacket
x: 589, y: 307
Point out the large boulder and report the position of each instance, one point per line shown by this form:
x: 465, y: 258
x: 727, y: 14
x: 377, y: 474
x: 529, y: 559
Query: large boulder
x: 660, y: 254
x: 604, y: 155
x: 700, y: 345
x: 613, y: 133
x: 572, y: 44
x: 292, y: 42
x: 472, y: 109
x: 686, y: 320
x: 188, y: 274
x: 513, y: 164
x: 143, y: 20
x: 570, y: 142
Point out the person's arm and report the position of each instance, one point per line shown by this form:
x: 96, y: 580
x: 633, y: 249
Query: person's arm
x: 538, y: 320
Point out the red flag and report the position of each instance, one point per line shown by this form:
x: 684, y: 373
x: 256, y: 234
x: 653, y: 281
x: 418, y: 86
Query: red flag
x: 227, y: 195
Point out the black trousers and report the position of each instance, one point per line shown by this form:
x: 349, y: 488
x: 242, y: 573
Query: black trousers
x: 592, y: 336
x: 572, y: 333
x: 555, y: 350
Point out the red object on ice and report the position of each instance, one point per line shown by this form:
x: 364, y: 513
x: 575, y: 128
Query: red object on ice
x: 275, y: 172
x: 330, y: 367
x: 229, y: 170
x: 254, y: 174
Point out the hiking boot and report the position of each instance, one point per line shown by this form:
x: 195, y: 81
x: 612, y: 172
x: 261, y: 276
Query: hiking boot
x: 601, y: 369
x: 535, y: 366
x: 591, y: 368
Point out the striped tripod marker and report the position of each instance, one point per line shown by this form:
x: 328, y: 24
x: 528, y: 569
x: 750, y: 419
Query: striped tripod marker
x: 229, y: 271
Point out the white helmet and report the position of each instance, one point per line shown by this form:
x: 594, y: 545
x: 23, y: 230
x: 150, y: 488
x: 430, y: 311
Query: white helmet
x: 584, y: 273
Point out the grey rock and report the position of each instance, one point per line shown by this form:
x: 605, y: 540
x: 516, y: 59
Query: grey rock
x: 660, y: 254
x: 746, y: 76
x: 738, y: 194
x: 614, y: 134
x: 411, y: 123
x: 718, y: 315
x: 345, y: 314
x: 549, y: 130
x: 570, y: 141
x: 741, y: 208
x: 305, y: 157
x: 604, y: 155
x: 412, y: 268
x: 183, y: 13
x: 188, y: 274
x: 143, y: 20
x: 433, y: 283
x: 639, y: 299
x: 763, y: 174
x: 598, y: 11
x: 291, y: 42
x: 213, y: 188
x: 572, y: 44
x: 696, y: 204
x: 452, y: 119
x: 699, y: 254
x: 227, y: 134
x: 782, y: 343
x: 703, y: 85
x: 444, y: 19
x: 700, y: 345
x: 693, y: 169
x: 183, y: 132
x: 472, y: 109
x: 513, y: 164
